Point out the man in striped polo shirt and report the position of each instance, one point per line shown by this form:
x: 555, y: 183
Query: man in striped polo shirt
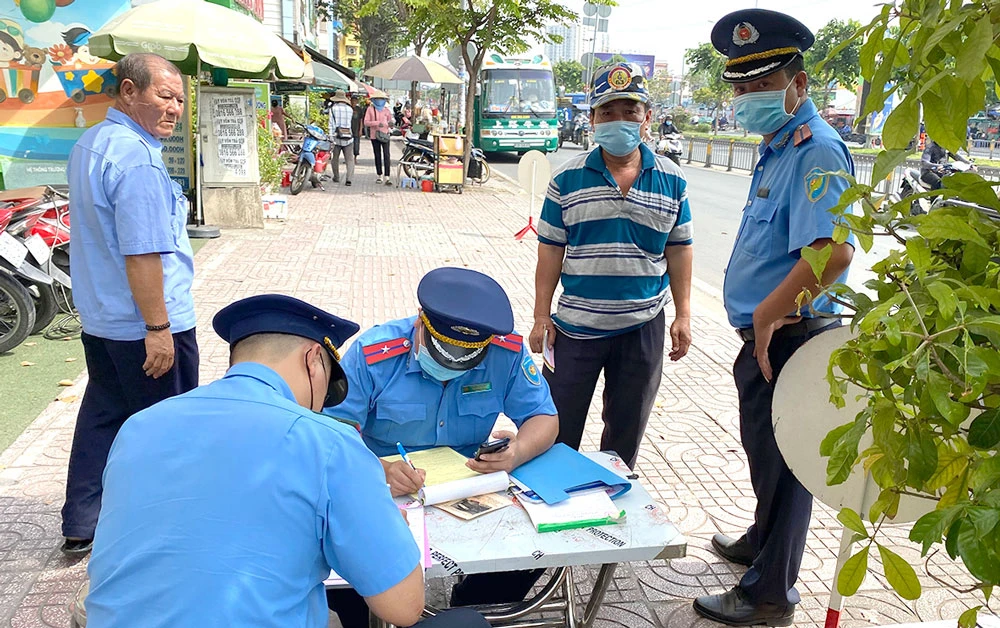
x: 616, y: 229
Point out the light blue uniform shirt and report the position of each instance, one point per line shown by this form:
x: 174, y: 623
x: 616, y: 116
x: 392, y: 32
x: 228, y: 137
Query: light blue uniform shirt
x: 394, y: 401
x: 788, y: 208
x: 124, y: 203
x: 229, y: 505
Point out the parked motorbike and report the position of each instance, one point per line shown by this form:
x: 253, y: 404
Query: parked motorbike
x: 419, y: 158
x: 913, y: 184
x: 670, y: 146
x: 576, y: 131
x: 312, y: 160
x: 33, y: 221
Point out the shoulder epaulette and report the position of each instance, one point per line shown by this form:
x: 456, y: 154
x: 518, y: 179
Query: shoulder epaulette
x: 376, y: 352
x: 802, y: 134
x: 510, y: 342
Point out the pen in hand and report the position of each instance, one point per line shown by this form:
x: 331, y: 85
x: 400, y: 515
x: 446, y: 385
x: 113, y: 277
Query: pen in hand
x: 404, y: 455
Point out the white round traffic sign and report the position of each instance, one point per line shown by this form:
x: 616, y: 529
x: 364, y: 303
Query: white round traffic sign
x: 534, y: 172
x: 802, y: 416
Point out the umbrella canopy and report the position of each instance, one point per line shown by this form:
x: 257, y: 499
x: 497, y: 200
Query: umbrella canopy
x: 189, y: 31
x: 414, y: 68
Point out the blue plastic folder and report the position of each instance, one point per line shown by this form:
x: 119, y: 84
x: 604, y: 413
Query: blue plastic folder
x: 560, y: 471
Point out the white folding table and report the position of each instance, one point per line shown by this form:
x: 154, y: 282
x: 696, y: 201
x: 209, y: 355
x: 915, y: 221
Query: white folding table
x: 505, y: 540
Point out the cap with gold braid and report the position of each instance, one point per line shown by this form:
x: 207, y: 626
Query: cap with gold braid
x: 461, y: 311
x: 758, y: 42
x: 280, y: 314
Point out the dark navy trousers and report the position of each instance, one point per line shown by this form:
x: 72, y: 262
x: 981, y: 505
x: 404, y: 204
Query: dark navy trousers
x: 633, y: 366
x: 117, y: 388
x: 481, y: 588
x: 784, y: 506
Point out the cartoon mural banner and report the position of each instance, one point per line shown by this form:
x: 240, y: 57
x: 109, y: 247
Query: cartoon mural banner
x: 51, y: 88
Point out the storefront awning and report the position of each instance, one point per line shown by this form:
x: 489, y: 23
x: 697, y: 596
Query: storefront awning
x: 322, y: 74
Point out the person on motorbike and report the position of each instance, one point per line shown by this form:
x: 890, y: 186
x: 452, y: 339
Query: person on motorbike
x: 932, y: 162
x: 667, y: 126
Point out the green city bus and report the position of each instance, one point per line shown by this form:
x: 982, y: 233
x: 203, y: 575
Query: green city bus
x: 515, y: 105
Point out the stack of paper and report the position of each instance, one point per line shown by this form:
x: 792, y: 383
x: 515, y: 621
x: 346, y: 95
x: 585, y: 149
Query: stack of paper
x: 448, y: 478
x: 593, y: 508
x: 442, y: 464
x: 415, y: 521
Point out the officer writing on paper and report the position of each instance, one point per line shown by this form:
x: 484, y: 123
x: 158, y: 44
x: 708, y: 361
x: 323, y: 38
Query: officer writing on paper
x: 788, y: 209
x: 441, y: 378
x: 230, y: 504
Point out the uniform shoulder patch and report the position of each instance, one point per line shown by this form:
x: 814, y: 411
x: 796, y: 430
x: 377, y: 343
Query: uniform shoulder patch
x: 817, y: 183
x: 510, y: 342
x: 530, y: 371
x: 378, y: 351
x: 802, y: 134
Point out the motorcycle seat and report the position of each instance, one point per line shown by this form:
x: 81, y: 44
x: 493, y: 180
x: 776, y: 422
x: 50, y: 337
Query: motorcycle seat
x: 420, y: 142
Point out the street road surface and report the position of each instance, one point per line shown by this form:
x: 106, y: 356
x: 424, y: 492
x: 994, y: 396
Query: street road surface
x: 717, y: 199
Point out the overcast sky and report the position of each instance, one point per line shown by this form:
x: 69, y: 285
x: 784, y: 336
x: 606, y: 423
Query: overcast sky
x: 666, y: 28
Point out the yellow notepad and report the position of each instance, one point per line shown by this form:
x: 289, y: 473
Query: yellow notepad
x: 442, y: 464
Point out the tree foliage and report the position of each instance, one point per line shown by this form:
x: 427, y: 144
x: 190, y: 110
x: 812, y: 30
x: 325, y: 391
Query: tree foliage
x: 705, y: 66
x: 926, y: 354
x: 381, y: 26
x: 569, y: 75
x: 843, y: 69
x: 660, y: 87
x: 504, y: 26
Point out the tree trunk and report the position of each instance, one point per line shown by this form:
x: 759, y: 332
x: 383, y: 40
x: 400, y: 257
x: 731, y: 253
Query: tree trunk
x: 861, y: 124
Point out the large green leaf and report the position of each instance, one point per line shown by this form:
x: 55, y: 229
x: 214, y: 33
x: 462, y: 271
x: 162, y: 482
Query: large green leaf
x: 978, y: 557
x: 852, y: 574
x: 971, y: 60
x: 928, y: 529
x: 886, y: 163
x: 945, y: 227
x: 969, y: 618
x: 939, y: 388
x: 922, y: 454
x: 902, y: 124
x: 986, y: 474
x: 830, y: 440
x: 984, y: 519
x: 901, y: 576
x: 845, y: 454
x: 950, y: 465
x: 817, y: 259
x: 945, y: 297
x: 984, y: 432
x: 852, y: 521
x: 920, y: 254
x: 961, y: 102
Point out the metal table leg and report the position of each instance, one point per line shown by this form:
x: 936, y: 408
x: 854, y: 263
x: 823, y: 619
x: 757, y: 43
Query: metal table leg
x: 514, y: 615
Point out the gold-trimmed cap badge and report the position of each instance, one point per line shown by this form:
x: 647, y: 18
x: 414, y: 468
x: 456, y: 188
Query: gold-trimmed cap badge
x: 619, y: 77
x: 744, y: 33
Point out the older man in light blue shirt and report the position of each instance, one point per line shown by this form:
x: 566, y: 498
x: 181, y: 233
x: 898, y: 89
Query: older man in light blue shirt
x: 132, y: 272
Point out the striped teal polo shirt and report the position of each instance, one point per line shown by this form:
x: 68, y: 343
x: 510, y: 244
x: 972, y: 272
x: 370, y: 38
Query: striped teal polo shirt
x: 614, y: 274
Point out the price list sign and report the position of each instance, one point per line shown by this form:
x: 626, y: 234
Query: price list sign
x: 229, y: 120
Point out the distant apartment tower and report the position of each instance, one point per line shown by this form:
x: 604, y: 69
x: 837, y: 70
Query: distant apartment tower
x: 569, y: 49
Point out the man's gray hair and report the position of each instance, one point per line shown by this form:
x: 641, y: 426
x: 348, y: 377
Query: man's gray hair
x: 138, y: 67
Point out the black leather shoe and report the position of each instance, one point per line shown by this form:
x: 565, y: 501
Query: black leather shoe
x: 77, y: 547
x: 732, y: 608
x: 734, y: 550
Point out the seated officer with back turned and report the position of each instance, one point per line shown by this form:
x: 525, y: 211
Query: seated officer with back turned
x: 440, y: 379
x: 230, y: 504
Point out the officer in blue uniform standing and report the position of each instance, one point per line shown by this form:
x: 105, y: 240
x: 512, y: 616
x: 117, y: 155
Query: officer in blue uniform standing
x: 441, y: 378
x: 230, y: 504
x: 788, y: 209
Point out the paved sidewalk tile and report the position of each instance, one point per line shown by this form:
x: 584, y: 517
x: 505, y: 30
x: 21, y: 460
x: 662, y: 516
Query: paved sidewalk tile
x: 360, y: 252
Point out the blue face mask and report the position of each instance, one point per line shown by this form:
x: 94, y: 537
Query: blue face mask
x: 762, y: 113
x: 379, y: 104
x: 619, y: 137
x: 430, y: 366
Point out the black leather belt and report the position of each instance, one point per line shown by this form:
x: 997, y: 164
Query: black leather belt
x: 802, y: 328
